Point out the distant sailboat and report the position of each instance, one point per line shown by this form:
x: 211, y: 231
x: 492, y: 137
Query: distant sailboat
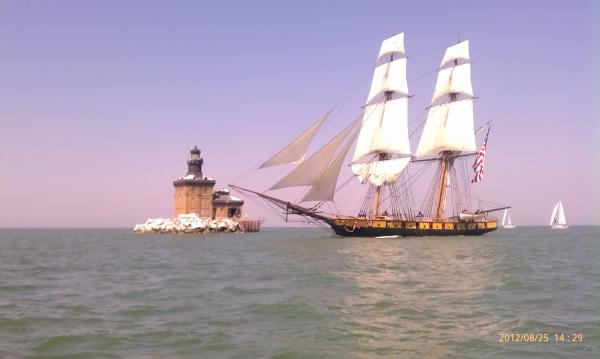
x: 558, y: 220
x: 506, y: 222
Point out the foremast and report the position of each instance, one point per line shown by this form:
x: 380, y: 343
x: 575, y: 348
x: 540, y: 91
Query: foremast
x: 446, y: 164
x: 383, y: 148
x: 381, y: 157
x: 377, y: 192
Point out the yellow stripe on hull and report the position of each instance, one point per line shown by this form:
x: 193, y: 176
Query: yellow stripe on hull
x: 351, y: 226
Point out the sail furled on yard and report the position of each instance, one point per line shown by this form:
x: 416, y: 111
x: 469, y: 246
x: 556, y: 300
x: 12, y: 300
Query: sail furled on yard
x: 449, y: 125
x: 307, y: 172
x: 296, y: 150
x: 384, y: 127
x: 380, y: 173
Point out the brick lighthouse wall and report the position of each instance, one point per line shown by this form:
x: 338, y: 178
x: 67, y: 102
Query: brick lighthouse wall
x: 194, y: 198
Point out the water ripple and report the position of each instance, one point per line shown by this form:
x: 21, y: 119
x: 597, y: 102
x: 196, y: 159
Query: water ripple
x: 296, y: 294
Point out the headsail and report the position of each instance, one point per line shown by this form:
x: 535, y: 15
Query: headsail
x: 449, y: 125
x: 296, y: 150
x: 385, y: 121
x: 561, y: 214
x: 324, y: 187
x: 553, y: 218
x: 307, y: 173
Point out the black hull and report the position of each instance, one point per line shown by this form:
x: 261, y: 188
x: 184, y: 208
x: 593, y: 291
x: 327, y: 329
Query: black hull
x: 372, y: 232
x: 350, y: 226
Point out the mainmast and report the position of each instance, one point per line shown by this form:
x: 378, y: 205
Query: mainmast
x: 446, y: 163
x: 449, y: 127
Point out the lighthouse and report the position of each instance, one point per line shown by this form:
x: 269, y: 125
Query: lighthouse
x: 194, y: 192
x: 198, y: 208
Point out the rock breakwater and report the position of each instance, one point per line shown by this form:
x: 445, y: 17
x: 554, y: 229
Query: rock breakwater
x: 188, y: 224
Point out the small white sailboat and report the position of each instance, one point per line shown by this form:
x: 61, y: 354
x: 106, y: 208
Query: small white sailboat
x: 558, y: 220
x: 506, y: 222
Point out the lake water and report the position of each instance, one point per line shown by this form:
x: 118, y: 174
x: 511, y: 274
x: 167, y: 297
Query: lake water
x: 298, y: 293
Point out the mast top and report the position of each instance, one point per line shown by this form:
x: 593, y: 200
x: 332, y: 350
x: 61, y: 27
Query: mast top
x: 450, y: 125
x: 393, y: 46
x: 456, y: 54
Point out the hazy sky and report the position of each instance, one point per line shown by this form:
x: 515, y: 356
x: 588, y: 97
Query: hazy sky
x: 101, y: 101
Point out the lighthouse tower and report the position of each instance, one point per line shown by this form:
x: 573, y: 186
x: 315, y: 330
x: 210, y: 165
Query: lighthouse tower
x: 194, y: 192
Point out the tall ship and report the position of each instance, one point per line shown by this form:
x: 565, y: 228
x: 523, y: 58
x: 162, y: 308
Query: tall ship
x: 384, y: 164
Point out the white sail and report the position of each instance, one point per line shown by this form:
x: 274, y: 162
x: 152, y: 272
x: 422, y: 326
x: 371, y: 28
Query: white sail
x: 456, y: 79
x: 553, y: 218
x: 561, y: 214
x: 449, y: 127
x: 380, y: 173
x: 324, y: 187
x: 506, y: 221
x: 385, y: 120
x: 390, y: 76
x: 394, y: 44
x: 296, y: 150
x: 384, y: 129
x: 456, y: 52
x: 306, y: 173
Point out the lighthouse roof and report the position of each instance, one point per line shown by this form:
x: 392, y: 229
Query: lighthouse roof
x: 223, y: 196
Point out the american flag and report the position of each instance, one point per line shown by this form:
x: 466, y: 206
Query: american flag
x: 480, y: 160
